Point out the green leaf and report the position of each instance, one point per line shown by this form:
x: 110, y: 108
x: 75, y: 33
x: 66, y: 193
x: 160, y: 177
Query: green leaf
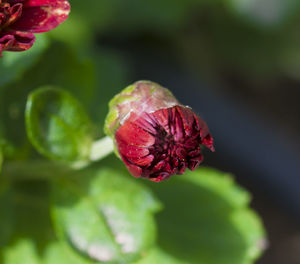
x: 25, y: 226
x: 23, y: 252
x: 60, y: 66
x: 6, y: 216
x: 207, y: 219
x: 105, y: 216
x: 59, y: 253
x: 14, y: 64
x: 58, y: 126
x: 26, y: 232
x: 156, y: 255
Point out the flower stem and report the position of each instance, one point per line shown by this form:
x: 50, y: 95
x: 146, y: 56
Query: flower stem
x: 101, y: 148
x: 42, y: 170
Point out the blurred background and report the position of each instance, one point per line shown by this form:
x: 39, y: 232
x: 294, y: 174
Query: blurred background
x: 236, y: 62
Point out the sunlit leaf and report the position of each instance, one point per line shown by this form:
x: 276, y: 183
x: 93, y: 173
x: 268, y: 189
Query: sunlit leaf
x: 105, y: 216
x: 22, y: 252
x: 59, y: 253
x: 156, y: 255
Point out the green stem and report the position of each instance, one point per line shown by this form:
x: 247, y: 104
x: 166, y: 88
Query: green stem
x: 101, y: 148
x: 39, y: 170
x: 32, y: 170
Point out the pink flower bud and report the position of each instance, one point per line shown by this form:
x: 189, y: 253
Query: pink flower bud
x: 154, y: 135
x: 19, y: 19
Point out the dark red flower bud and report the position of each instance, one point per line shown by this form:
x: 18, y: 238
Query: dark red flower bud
x: 154, y: 135
x: 20, y: 18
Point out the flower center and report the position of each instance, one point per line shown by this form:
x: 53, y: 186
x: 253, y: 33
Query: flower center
x: 174, y: 152
x: 9, y: 13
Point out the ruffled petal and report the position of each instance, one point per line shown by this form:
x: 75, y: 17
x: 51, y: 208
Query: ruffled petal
x: 131, y: 151
x: 42, y: 15
x: 131, y: 134
x: 16, y: 41
x: 12, y: 13
x: 12, y: 2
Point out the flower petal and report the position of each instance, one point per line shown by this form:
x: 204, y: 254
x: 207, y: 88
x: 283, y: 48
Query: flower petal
x: 132, y: 134
x: 16, y: 41
x: 187, y: 117
x: 162, y: 118
x: 12, y: 2
x: 142, y: 161
x: 42, y: 15
x: 13, y: 13
x: 131, y: 151
x: 134, y: 170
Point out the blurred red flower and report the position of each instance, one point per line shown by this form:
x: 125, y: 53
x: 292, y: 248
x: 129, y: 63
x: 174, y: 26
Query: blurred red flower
x: 19, y: 19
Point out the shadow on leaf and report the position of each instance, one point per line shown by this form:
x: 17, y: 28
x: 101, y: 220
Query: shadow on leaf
x: 198, y: 224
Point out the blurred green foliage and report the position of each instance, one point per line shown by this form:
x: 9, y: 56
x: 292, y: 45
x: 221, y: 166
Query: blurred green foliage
x: 214, y: 38
x: 205, y: 216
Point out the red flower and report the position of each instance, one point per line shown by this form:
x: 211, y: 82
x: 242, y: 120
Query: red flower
x: 156, y: 144
x: 19, y: 19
